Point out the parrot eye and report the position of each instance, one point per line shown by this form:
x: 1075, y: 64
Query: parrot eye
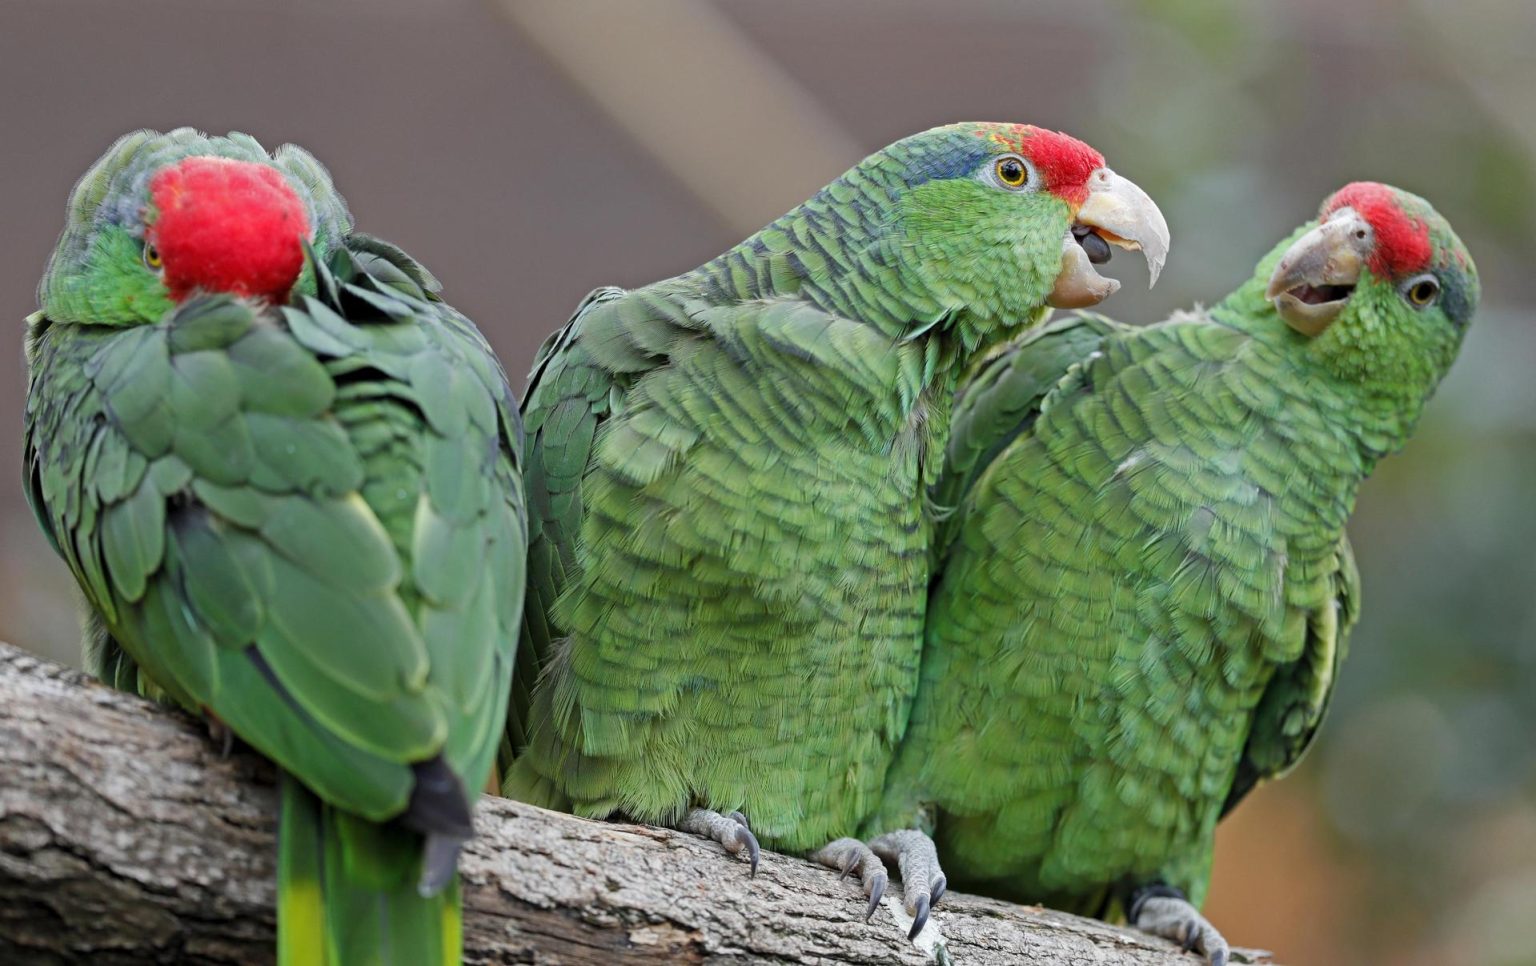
x: 1422, y: 291
x: 152, y: 259
x: 1012, y: 172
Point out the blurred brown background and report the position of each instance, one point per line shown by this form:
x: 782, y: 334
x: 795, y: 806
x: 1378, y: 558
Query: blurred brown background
x: 530, y: 150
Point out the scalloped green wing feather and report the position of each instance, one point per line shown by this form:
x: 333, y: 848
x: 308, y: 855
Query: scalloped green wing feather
x: 1139, y: 608
x: 309, y: 524
x: 1293, y: 706
x: 730, y: 531
x: 1002, y: 397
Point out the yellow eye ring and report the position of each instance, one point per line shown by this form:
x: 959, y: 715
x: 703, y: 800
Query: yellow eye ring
x: 1011, y: 172
x: 152, y: 258
x: 1423, y: 292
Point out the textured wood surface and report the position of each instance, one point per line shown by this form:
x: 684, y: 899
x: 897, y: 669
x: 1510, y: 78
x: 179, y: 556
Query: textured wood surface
x: 126, y: 838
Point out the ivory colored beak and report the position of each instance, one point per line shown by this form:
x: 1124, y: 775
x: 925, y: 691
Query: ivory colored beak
x: 1118, y: 211
x: 1317, y: 274
x: 1078, y: 285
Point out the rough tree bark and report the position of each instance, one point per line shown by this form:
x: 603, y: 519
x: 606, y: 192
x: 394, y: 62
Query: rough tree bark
x: 126, y: 838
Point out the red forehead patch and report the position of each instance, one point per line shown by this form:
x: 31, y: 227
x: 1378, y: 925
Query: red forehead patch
x: 1063, y: 161
x: 1402, y: 240
x: 222, y: 225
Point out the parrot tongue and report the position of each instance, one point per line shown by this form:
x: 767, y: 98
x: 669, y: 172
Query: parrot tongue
x: 1093, y: 243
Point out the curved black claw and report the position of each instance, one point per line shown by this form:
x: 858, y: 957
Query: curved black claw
x: 876, y: 893
x: 748, y: 841
x: 849, y: 856
x: 753, y: 852
x: 940, y: 886
x: 919, y: 915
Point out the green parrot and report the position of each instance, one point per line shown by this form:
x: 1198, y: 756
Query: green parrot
x: 287, y: 477
x: 1144, y: 589
x: 727, y: 475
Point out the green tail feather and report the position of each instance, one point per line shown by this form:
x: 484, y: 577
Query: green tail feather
x: 300, y: 910
x: 347, y: 892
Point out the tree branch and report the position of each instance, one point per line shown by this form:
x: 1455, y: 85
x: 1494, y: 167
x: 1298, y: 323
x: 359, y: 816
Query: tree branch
x: 126, y: 838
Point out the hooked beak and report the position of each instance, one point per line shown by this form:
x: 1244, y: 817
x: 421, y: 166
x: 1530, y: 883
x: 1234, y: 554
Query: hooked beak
x: 1318, y: 273
x: 1118, y: 213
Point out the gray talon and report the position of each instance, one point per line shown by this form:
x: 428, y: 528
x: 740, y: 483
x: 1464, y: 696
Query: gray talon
x: 849, y: 864
x: 922, y: 881
x: 876, y: 893
x: 919, y: 915
x: 730, y: 831
x: 1174, y: 918
x: 752, y: 849
x: 850, y: 856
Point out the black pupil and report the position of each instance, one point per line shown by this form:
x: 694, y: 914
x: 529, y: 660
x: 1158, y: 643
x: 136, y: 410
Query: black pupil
x: 1013, y: 172
x: 1423, y: 292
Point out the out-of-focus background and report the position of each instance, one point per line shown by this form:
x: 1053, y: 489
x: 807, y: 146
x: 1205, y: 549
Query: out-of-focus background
x: 530, y: 150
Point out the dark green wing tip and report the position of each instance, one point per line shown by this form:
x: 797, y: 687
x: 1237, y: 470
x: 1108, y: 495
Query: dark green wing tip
x: 326, y: 288
x: 367, y: 283
x: 441, y: 810
x: 391, y: 264
x: 439, y: 802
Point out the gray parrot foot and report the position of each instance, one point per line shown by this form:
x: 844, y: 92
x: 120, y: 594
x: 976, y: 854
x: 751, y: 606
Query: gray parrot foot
x: 1163, y: 911
x: 922, y: 880
x: 730, y: 831
x: 852, y: 856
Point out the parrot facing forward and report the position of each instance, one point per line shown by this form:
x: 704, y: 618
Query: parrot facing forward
x: 727, y: 476
x: 1144, y: 591
x: 287, y: 478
